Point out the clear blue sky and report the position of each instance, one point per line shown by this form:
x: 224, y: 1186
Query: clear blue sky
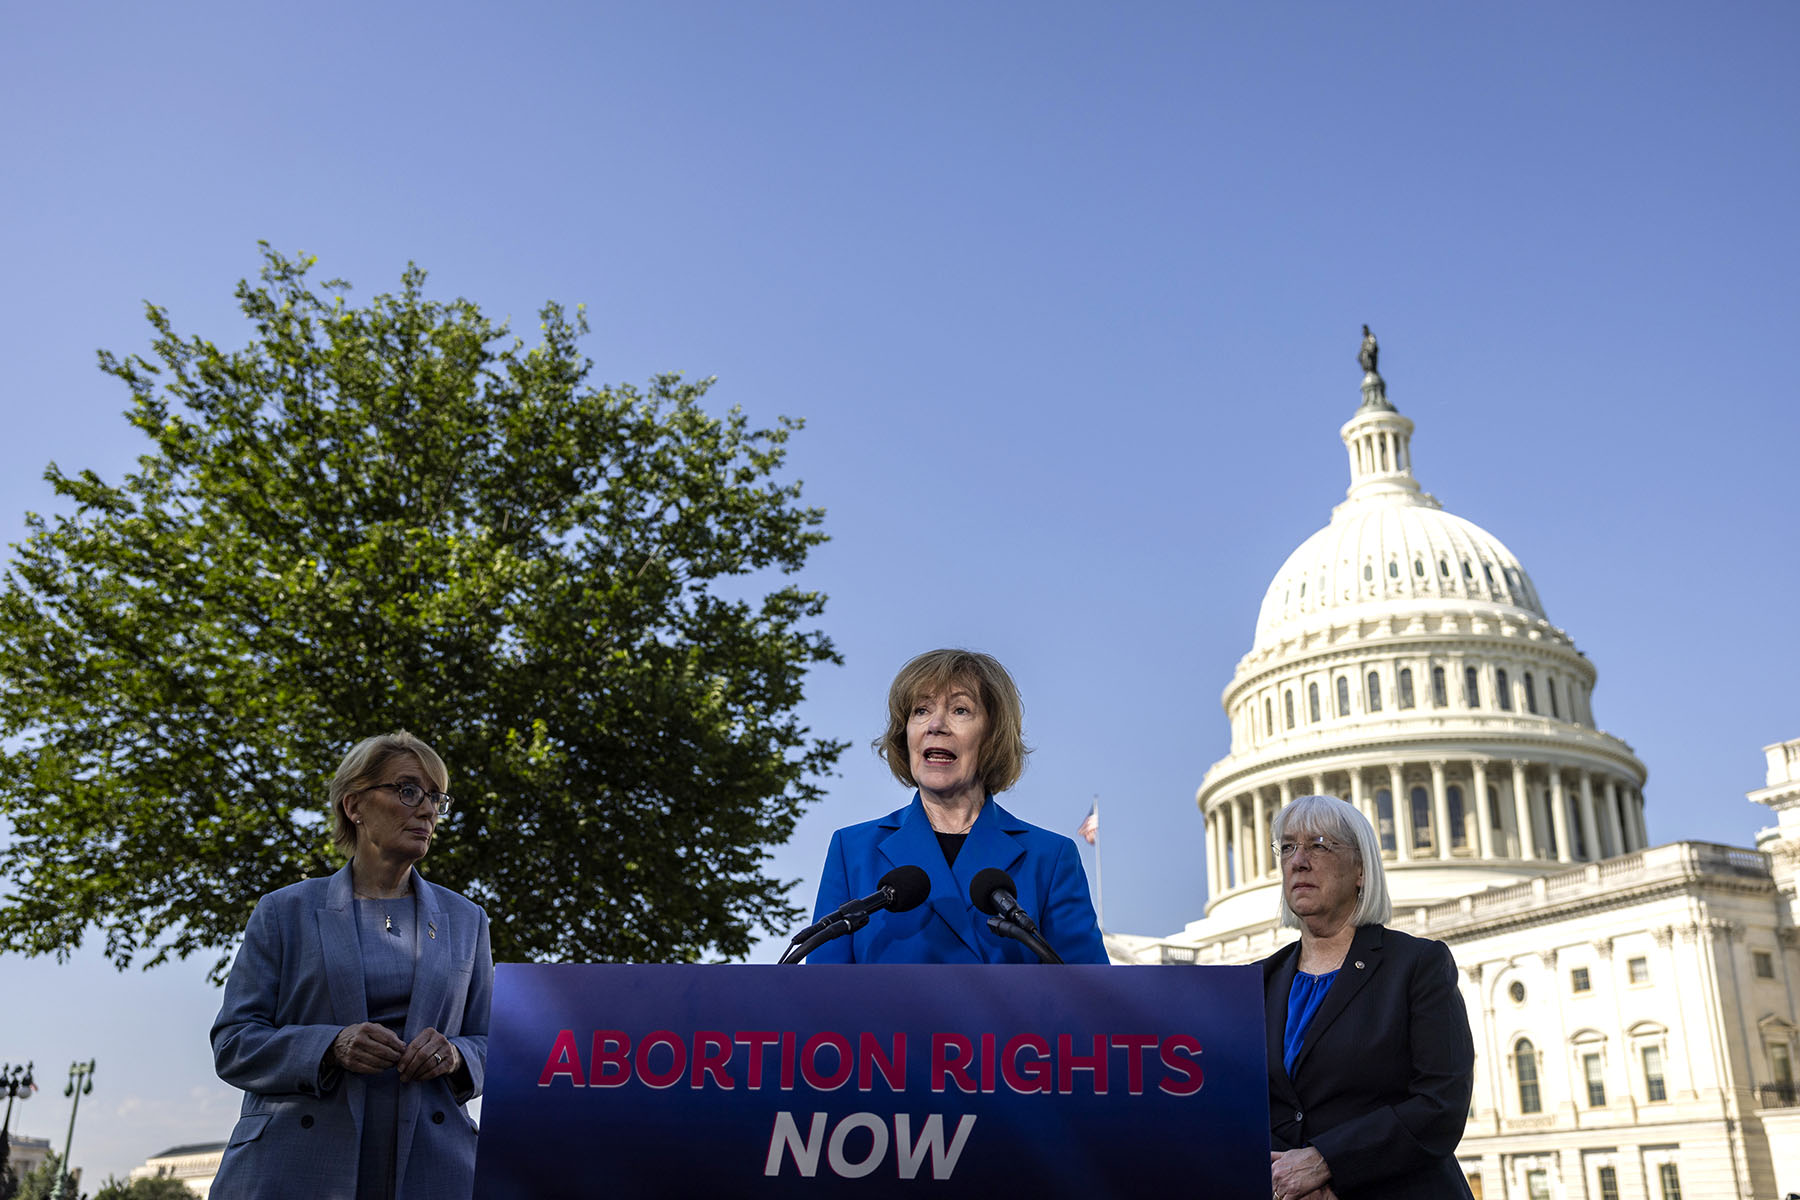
x: 1069, y: 296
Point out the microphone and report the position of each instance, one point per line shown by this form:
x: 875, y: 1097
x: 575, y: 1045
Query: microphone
x: 993, y: 892
x: 901, y: 890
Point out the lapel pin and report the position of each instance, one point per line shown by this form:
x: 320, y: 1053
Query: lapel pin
x: 1359, y: 964
x: 432, y: 930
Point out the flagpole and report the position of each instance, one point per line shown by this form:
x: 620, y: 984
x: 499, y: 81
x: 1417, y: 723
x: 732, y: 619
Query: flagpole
x: 1099, y: 890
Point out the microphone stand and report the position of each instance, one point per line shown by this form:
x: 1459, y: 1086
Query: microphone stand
x: 1018, y: 933
x: 836, y: 929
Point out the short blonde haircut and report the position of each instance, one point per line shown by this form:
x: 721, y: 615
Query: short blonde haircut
x: 1327, y: 815
x: 1001, y: 759
x: 364, y: 765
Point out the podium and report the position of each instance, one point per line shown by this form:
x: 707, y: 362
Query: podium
x: 749, y: 1081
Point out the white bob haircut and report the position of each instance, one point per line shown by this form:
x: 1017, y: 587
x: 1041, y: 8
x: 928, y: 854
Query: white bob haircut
x: 1313, y: 816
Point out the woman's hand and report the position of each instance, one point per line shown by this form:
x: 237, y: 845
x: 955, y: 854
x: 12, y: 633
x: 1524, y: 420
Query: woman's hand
x: 431, y: 1054
x: 366, y: 1048
x: 1296, y: 1174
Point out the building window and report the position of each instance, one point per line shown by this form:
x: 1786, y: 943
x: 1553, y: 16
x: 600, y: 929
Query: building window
x: 1459, y: 834
x: 1525, y: 1066
x: 1374, y: 691
x: 1502, y: 692
x: 1488, y: 570
x: 1406, y: 687
x: 1578, y: 980
x: 1596, y: 1082
x: 1384, y: 818
x: 1530, y: 694
x: 1421, y: 819
x: 1368, y: 573
x: 1393, y: 569
x: 1312, y: 702
x: 1670, y: 1178
x: 1609, y: 1183
x: 1517, y: 992
x: 1287, y: 703
x: 1537, y: 1184
x: 1781, y: 1065
x: 1268, y: 716
x: 1440, y: 694
x: 1550, y: 687
x: 1444, y: 567
x: 1471, y: 687
x: 1654, y: 1087
x: 1419, y: 567
x: 1763, y: 963
x: 1638, y: 969
x: 1343, y: 695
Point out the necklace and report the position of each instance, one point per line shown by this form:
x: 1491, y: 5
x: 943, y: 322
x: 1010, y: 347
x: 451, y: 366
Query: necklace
x: 970, y: 824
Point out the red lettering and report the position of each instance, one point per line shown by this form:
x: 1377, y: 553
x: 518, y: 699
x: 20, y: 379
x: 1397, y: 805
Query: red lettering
x: 712, y: 1054
x: 787, y: 1062
x: 892, y: 1066
x: 1190, y: 1072
x: 987, y: 1062
x: 809, y: 1062
x: 612, y: 1068
x: 1068, y: 1062
x: 945, y: 1065
x: 564, y: 1059
x: 1134, y: 1044
x: 677, y: 1055
x: 1033, y: 1076
x: 758, y: 1040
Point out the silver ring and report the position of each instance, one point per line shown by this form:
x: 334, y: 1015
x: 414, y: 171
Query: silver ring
x: 438, y: 1057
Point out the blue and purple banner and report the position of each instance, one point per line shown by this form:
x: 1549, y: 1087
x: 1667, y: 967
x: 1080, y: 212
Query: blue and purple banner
x: 745, y: 1081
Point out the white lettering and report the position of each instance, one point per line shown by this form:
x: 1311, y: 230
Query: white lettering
x: 931, y: 1140
x: 786, y: 1137
x: 878, y: 1145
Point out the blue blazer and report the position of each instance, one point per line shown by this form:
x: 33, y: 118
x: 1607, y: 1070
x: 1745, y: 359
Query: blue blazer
x: 1381, y: 1084
x: 948, y: 928
x: 296, y: 983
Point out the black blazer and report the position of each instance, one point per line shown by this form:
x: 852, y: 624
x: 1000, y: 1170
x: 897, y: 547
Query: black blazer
x: 1382, y: 1082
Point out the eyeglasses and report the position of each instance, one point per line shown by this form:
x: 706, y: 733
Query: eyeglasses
x: 1321, y: 846
x: 412, y: 795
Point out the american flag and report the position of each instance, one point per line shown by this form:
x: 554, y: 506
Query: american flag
x: 1090, y: 826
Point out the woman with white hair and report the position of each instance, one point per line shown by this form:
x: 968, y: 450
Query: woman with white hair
x: 1370, y: 1057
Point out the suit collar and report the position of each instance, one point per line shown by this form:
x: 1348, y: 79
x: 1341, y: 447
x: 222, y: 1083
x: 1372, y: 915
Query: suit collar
x: 1361, y: 962
x: 990, y: 843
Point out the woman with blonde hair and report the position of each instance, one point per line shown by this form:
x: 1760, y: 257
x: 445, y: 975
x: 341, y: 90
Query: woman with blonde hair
x: 356, y: 1016
x: 955, y: 735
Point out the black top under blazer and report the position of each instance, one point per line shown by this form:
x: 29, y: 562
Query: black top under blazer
x: 1382, y: 1082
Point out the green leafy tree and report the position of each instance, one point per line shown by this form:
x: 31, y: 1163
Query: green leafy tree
x: 400, y: 516
x: 40, y: 1184
x: 151, y: 1188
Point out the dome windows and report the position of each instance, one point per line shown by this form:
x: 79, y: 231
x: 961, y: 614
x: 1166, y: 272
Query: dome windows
x: 1374, y: 691
x: 1440, y: 694
x: 1530, y: 694
x: 1368, y: 573
x: 1550, y: 687
x: 1406, y: 687
x: 1288, y: 705
x: 1471, y: 687
x: 1502, y: 691
x: 1419, y: 567
x: 1312, y: 702
x: 1393, y: 569
x: 1269, y: 716
x: 1444, y: 567
x: 1343, y: 695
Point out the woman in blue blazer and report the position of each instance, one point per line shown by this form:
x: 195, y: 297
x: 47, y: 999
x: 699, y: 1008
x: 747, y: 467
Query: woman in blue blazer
x: 1370, y: 1057
x: 955, y: 733
x: 356, y: 1016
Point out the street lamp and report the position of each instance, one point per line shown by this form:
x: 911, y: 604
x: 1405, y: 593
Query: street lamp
x: 14, y: 1080
x: 81, y: 1082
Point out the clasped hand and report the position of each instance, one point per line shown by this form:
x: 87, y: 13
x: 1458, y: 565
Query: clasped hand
x: 368, y: 1048
x: 1299, y: 1175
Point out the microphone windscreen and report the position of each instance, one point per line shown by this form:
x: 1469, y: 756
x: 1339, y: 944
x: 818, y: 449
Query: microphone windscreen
x: 987, y: 881
x: 911, y: 886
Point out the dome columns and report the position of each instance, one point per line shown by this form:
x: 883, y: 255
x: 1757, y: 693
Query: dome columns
x: 1443, y: 809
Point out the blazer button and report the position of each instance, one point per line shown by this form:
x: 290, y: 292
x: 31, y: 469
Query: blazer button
x: 437, y: 1118
x: 1299, y: 1116
x: 306, y: 1121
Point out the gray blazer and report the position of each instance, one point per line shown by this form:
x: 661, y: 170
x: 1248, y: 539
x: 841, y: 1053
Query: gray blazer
x: 296, y: 983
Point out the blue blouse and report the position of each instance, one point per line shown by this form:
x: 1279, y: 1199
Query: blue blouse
x: 1304, y: 999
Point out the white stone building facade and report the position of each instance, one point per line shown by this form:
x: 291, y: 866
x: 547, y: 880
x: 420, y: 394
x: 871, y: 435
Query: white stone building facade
x: 1634, y: 1006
